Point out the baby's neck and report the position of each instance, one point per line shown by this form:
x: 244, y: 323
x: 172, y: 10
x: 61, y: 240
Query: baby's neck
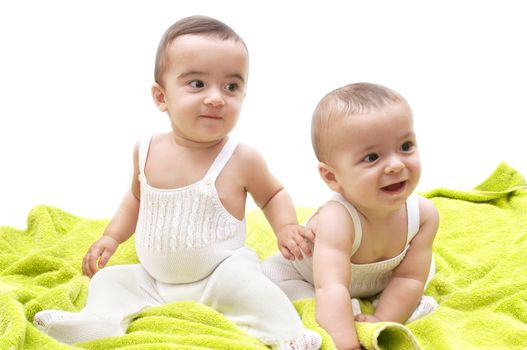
x: 379, y: 215
x: 184, y: 142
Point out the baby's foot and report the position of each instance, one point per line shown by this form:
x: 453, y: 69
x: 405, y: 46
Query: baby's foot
x: 310, y: 340
x: 75, y: 327
x: 44, y: 319
x: 426, y: 306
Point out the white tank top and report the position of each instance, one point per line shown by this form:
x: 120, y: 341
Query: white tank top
x: 368, y: 279
x: 183, y: 234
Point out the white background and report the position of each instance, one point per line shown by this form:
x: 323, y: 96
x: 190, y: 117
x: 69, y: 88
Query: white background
x: 75, y: 83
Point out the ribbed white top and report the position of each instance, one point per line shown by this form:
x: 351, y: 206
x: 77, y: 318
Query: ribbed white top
x: 183, y: 234
x: 368, y: 279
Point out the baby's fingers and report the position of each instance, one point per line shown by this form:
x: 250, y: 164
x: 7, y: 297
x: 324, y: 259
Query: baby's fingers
x: 304, y: 246
x: 104, y: 258
x: 86, y: 269
x: 309, y: 234
x: 297, y: 245
x: 286, y: 253
x: 360, y: 318
x: 366, y: 318
x: 89, y: 263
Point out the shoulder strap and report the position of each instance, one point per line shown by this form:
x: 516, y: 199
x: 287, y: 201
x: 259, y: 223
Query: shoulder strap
x: 221, y: 159
x: 337, y: 197
x: 412, y: 210
x: 144, y: 145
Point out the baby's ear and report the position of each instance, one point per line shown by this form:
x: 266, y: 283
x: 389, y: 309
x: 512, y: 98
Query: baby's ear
x: 328, y: 175
x: 158, y: 94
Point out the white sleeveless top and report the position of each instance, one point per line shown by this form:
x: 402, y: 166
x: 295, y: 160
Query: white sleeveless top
x: 183, y: 234
x: 368, y: 279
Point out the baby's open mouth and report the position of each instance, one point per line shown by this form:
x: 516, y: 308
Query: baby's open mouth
x: 393, y: 188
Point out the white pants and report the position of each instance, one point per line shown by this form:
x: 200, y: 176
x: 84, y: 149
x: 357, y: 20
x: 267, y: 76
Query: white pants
x: 286, y: 276
x: 237, y: 289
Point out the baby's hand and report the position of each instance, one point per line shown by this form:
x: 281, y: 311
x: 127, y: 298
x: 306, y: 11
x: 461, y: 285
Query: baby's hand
x: 366, y: 318
x: 293, y: 240
x: 103, y: 248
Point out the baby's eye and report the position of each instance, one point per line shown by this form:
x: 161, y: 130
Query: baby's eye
x: 232, y: 87
x: 370, y: 158
x: 196, y: 84
x: 407, y: 146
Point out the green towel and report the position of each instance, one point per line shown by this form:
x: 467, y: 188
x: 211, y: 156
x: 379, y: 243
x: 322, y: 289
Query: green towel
x: 481, y: 281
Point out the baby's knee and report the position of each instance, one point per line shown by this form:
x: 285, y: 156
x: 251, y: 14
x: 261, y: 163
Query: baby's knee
x: 243, y: 269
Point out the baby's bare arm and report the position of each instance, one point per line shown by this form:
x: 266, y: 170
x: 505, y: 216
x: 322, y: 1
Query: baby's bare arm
x: 120, y: 228
x: 331, y: 268
x: 277, y: 206
x: 406, y: 286
x: 292, y: 238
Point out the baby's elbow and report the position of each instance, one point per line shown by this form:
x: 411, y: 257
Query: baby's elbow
x: 274, y: 196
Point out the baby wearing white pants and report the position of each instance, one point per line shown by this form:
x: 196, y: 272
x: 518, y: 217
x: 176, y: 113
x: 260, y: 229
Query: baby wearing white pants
x: 236, y: 288
x: 208, y: 264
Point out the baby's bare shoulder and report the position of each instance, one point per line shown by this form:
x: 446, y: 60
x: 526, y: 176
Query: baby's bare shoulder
x: 332, y: 222
x: 427, y: 209
x: 247, y: 154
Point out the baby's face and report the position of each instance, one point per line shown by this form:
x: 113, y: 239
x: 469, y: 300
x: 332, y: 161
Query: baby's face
x: 204, y: 86
x: 377, y: 161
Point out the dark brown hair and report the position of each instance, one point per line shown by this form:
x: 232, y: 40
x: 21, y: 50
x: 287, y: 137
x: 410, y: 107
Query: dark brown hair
x: 200, y: 25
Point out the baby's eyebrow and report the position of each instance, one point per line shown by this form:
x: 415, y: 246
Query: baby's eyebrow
x: 408, y: 135
x: 368, y: 149
x: 190, y: 73
x: 200, y: 73
x: 237, y: 76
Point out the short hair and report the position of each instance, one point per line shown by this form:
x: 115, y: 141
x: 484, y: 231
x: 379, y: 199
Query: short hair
x: 197, y: 25
x: 341, y: 103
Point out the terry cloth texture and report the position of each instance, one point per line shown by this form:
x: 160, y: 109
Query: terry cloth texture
x: 480, y: 284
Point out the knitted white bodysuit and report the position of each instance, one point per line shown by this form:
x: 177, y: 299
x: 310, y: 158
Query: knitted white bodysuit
x: 295, y: 278
x: 191, y: 249
x: 183, y: 234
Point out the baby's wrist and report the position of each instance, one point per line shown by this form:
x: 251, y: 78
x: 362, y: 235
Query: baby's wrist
x: 284, y: 228
x: 109, y: 236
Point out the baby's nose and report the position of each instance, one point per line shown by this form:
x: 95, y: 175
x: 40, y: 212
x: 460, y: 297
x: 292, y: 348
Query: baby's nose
x: 215, y: 99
